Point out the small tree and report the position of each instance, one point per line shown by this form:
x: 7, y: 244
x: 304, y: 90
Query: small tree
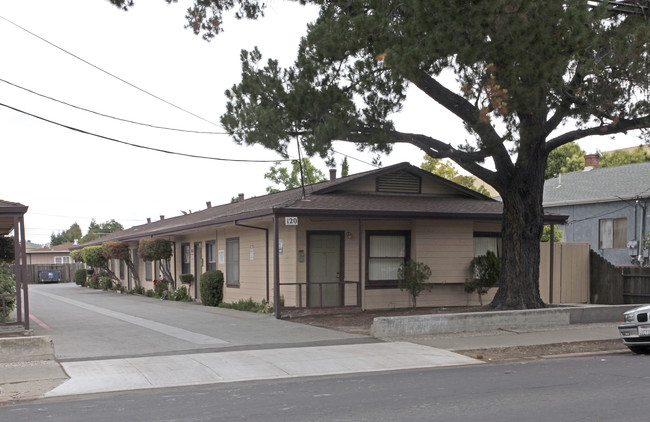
x: 157, y: 250
x: 212, y: 288
x: 485, y: 270
x: 120, y: 250
x: 546, y: 234
x: 411, y: 276
x: 94, y: 257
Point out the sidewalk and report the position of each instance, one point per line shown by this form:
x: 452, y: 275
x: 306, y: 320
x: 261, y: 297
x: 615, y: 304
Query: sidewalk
x: 128, y: 343
x: 106, y: 375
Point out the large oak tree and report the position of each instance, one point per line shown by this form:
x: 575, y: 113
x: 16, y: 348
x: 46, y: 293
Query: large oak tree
x: 528, y: 76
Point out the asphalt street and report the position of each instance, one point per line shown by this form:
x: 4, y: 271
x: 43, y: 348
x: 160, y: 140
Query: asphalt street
x: 605, y: 388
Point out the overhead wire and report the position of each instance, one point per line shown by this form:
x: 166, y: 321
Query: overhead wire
x: 85, y: 132
x: 110, y: 74
x: 130, y: 121
x: 109, y: 116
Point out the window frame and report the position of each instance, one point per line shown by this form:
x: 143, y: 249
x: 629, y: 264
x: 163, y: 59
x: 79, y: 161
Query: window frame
x: 186, y: 267
x: 230, y: 281
x: 619, y: 237
x: 210, y: 245
x: 385, y: 284
x: 148, y: 271
x: 495, y: 235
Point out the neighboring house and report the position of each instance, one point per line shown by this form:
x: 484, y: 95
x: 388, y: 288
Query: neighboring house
x: 336, y: 243
x: 55, y: 255
x: 607, y: 207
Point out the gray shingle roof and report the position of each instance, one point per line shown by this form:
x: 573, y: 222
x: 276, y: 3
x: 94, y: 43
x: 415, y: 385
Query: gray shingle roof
x: 329, y: 199
x: 600, y: 185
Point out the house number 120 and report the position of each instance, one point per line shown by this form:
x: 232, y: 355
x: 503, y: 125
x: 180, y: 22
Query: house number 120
x: 290, y: 221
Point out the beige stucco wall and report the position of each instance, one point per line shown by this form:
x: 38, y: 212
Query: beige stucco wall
x: 46, y: 258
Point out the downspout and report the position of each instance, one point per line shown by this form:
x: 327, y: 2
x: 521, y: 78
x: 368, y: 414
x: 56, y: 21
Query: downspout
x: 266, y: 231
x: 276, y: 267
x: 360, y: 301
x: 551, y: 256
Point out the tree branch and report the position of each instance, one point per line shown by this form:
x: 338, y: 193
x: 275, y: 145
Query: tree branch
x: 466, y: 112
x: 617, y: 126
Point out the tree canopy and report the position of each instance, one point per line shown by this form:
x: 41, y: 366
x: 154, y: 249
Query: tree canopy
x: 280, y: 176
x: 622, y: 157
x: 565, y: 159
x: 523, y: 76
x: 66, y: 236
x: 447, y: 170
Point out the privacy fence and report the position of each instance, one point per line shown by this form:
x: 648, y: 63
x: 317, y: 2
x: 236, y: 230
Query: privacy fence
x: 46, y: 273
x: 618, y: 285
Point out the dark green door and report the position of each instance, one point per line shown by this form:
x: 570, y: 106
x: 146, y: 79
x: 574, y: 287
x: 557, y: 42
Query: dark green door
x: 324, y: 270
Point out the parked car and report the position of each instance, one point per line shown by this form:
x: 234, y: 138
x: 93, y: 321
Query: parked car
x: 635, y: 329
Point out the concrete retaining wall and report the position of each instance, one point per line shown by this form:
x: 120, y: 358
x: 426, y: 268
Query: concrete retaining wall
x: 25, y: 349
x: 489, y: 321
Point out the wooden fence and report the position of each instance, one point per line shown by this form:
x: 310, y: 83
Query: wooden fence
x: 64, y: 273
x: 618, y: 285
x: 570, y: 273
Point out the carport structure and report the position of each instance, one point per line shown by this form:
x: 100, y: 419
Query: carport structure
x: 12, y: 220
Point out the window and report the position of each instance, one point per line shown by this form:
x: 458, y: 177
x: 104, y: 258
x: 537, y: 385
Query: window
x: 58, y: 260
x: 612, y: 233
x: 210, y: 256
x: 232, y: 262
x: 148, y: 270
x: 121, y: 269
x: 487, y: 241
x: 387, y: 250
x: 185, y: 258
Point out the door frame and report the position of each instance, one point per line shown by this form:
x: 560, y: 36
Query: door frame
x: 341, y: 235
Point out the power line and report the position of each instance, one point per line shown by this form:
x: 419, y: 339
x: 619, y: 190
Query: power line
x: 137, y: 145
x: 109, y: 116
x: 110, y: 74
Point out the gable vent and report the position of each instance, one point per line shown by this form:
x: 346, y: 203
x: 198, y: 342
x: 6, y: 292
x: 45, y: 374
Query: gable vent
x: 398, y: 182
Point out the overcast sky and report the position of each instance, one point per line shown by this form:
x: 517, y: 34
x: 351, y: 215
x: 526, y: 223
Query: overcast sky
x: 65, y: 176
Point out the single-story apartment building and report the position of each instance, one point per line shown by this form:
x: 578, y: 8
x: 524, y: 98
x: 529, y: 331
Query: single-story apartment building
x: 336, y: 243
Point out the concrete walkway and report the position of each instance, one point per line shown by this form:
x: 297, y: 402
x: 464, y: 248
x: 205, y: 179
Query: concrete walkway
x: 209, y: 368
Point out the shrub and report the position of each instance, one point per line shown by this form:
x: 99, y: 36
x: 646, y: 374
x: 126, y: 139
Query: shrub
x: 160, y: 287
x: 485, y: 271
x: 212, y: 288
x: 249, y: 305
x: 186, y: 278
x: 7, y: 286
x: 180, y: 295
x: 80, y: 277
x: 139, y: 290
x: 93, y: 282
x: 149, y: 293
x: 411, y: 276
x: 105, y: 282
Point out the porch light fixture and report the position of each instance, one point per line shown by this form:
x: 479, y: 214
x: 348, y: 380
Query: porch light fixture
x: 349, y: 235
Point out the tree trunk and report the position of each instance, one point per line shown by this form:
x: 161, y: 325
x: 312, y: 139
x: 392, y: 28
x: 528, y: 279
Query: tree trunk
x: 522, y: 226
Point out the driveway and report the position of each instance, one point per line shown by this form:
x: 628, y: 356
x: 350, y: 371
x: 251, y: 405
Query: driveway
x: 91, y: 324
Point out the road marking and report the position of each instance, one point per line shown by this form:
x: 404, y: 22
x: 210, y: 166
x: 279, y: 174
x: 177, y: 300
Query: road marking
x: 39, y: 322
x: 168, y: 330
